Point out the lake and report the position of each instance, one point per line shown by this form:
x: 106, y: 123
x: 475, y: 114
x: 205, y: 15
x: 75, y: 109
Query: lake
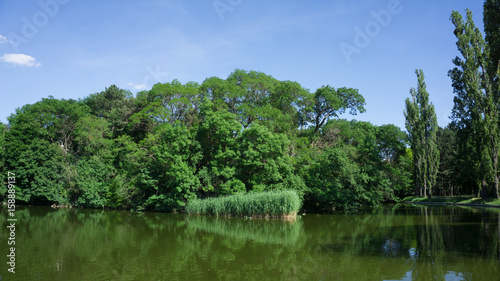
x: 401, y: 242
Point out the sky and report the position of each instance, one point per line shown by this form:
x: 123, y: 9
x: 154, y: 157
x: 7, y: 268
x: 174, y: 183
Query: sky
x: 70, y: 49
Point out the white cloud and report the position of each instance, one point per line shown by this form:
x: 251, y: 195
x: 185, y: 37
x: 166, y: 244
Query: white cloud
x: 3, y: 39
x: 20, y: 59
x: 137, y: 87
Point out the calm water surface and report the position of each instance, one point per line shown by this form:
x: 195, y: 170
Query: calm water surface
x: 397, y: 243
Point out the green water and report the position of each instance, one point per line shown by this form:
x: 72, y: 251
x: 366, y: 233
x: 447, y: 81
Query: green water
x: 399, y: 243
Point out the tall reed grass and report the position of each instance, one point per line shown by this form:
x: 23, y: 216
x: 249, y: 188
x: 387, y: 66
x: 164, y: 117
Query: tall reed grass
x: 285, y: 203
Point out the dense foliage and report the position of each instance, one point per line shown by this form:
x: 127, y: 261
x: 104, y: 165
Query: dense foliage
x: 162, y: 148
x: 421, y: 123
x: 477, y: 101
x: 461, y: 159
x: 177, y: 142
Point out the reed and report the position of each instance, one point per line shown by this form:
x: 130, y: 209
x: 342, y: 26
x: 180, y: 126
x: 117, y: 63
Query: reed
x: 283, y: 204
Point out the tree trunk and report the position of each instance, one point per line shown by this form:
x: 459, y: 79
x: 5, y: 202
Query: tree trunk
x: 484, y: 190
x: 419, y: 188
x: 494, y: 156
x: 497, y: 195
x: 425, y: 188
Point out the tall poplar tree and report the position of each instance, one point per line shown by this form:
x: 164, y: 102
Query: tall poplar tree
x: 475, y: 83
x: 421, y: 124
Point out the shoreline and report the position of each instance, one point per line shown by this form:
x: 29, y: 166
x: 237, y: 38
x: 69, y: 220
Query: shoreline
x: 453, y: 204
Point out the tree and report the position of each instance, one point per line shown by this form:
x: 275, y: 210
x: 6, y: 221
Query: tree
x: 292, y: 100
x: 330, y: 102
x: 475, y: 112
x: 92, y: 137
x: 40, y: 174
x: 177, y: 142
x: 391, y: 142
x: 93, y: 181
x: 264, y: 162
x: 449, y: 171
x: 421, y: 124
x: 217, y: 135
x: 250, y: 96
x: 173, y: 153
x: 167, y: 103
x: 114, y: 105
x: 39, y: 146
x: 396, y: 157
x: 50, y: 119
x: 492, y: 38
x: 356, y: 164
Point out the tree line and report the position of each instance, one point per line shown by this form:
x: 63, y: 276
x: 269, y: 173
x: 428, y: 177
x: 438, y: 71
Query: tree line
x: 463, y: 157
x: 161, y: 148
x: 250, y: 132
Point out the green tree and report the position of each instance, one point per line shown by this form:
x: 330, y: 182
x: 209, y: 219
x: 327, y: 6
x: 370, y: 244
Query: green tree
x: 164, y: 103
x: 250, y: 93
x: 114, y: 105
x: 330, y: 102
x: 475, y: 111
x: 356, y: 164
x: 391, y: 142
x: 174, y: 154
x: 93, y: 137
x: 491, y: 19
x: 217, y: 135
x: 264, y: 161
x: 396, y: 157
x: 39, y: 146
x: 93, y: 181
x: 255, y: 96
x: 448, y: 169
x: 134, y: 182
x: 40, y: 174
x: 421, y: 124
x: 334, y: 182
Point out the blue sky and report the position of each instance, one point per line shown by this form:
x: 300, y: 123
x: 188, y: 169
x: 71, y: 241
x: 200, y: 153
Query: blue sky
x: 72, y: 48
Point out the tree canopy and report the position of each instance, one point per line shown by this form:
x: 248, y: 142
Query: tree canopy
x: 176, y: 142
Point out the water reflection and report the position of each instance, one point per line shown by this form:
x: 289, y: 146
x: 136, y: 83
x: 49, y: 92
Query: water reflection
x: 270, y: 231
x: 401, y: 243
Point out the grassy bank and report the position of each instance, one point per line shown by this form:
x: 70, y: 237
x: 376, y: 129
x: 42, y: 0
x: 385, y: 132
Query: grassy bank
x: 266, y: 204
x: 459, y: 200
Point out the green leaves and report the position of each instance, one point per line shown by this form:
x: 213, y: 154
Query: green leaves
x: 330, y: 102
x: 40, y: 174
x: 263, y: 159
x: 421, y: 124
x: 177, y: 142
x: 94, y: 178
x: 475, y: 83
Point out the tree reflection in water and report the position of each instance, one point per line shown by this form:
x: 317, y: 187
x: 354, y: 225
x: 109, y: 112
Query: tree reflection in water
x: 401, y: 243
